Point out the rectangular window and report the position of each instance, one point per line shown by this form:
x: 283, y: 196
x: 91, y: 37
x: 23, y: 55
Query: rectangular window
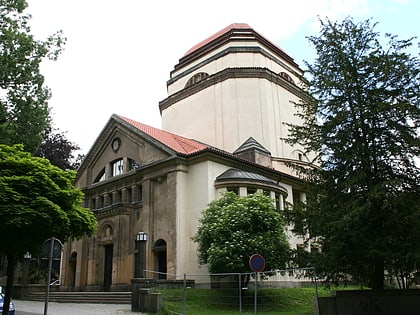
x: 117, y: 167
x: 233, y: 189
x: 251, y: 191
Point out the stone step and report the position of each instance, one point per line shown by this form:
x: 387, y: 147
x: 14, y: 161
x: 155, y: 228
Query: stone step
x: 83, y: 297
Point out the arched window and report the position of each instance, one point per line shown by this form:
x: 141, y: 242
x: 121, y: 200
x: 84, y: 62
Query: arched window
x: 107, y: 230
x: 287, y: 77
x: 299, y: 155
x: 196, y: 78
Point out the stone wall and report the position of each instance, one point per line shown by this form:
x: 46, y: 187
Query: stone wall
x: 364, y: 302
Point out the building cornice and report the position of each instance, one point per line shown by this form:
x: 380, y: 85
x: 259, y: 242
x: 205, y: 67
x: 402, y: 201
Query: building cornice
x: 232, y: 50
x: 232, y: 73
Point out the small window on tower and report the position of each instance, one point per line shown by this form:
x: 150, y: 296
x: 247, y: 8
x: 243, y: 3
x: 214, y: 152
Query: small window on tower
x: 196, y: 78
x: 287, y: 77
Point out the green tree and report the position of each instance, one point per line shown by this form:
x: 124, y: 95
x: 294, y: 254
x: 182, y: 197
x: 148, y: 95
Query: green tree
x: 37, y: 201
x: 24, y: 112
x: 234, y: 228
x: 362, y: 116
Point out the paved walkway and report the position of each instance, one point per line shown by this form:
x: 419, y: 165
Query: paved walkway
x: 37, y: 308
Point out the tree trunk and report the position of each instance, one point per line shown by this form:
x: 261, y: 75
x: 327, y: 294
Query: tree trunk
x: 378, y: 274
x: 11, y: 264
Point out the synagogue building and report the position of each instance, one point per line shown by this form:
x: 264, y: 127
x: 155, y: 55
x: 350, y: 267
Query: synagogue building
x: 223, y: 124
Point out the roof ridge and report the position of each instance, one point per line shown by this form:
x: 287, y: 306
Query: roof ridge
x: 175, y: 142
x: 217, y: 34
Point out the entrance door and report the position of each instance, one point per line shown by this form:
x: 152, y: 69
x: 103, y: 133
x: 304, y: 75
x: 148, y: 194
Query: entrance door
x: 108, y: 267
x: 72, y: 269
x: 162, y: 264
x: 160, y: 252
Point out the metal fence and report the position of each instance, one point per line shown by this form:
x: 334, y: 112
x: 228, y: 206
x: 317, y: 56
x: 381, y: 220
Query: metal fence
x: 270, y: 293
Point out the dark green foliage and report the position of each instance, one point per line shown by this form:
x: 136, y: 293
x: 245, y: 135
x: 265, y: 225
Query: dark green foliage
x: 363, y: 119
x: 24, y: 112
x: 234, y: 228
x: 58, y: 150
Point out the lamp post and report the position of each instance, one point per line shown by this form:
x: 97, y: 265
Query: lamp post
x: 25, y: 272
x: 140, y: 255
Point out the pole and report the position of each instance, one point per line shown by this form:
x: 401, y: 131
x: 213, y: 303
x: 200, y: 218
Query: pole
x: 240, y: 294
x: 47, y: 291
x: 255, y: 294
x: 142, y: 259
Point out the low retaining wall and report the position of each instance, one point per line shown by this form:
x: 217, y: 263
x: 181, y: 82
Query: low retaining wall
x: 143, y: 297
x: 366, y: 302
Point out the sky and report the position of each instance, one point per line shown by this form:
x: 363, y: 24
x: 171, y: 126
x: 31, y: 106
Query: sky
x: 119, y: 54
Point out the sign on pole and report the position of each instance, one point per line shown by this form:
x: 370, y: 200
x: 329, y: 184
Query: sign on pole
x: 257, y: 263
x: 50, y: 248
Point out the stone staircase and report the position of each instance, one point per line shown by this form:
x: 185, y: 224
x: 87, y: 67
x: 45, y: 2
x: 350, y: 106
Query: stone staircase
x: 82, y: 297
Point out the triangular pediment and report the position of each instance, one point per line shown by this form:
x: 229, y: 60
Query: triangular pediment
x: 125, y: 145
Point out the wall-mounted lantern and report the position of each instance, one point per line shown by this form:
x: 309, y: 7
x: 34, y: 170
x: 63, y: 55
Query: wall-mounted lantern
x: 141, y: 237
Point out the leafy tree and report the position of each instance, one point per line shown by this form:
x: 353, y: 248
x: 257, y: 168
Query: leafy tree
x: 234, y: 228
x: 37, y: 201
x: 24, y: 112
x: 58, y: 150
x: 362, y: 116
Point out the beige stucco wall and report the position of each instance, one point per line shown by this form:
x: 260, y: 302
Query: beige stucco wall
x: 232, y: 111
x: 195, y: 191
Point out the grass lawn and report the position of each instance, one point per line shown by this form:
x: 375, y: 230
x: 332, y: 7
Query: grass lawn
x: 282, y: 301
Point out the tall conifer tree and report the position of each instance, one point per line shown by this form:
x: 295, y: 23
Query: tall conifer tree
x: 362, y: 117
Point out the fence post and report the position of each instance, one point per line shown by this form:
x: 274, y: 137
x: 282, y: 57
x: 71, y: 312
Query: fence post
x: 240, y: 294
x: 316, y: 291
x: 184, y: 297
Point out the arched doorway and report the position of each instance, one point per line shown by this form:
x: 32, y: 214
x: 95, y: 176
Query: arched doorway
x: 159, y: 251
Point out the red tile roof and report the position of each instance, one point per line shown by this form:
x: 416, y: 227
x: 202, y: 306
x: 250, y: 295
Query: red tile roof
x: 218, y: 34
x: 240, y: 26
x: 177, y: 143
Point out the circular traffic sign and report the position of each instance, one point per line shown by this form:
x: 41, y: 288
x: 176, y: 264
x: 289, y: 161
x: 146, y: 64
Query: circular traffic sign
x: 257, y: 263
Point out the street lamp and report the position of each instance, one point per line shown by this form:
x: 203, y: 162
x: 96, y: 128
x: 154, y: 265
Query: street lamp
x: 140, y: 255
x: 25, y: 272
